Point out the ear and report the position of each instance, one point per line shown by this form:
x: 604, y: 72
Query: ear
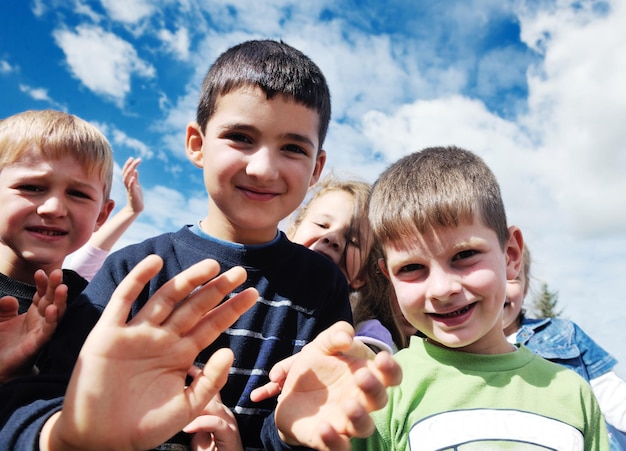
x: 383, y: 267
x: 105, y: 211
x: 193, y: 144
x: 513, y: 251
x: 320, y: 161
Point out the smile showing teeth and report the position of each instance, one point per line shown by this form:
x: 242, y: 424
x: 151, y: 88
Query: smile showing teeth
x: 49, y: 232
x: 456, y: 312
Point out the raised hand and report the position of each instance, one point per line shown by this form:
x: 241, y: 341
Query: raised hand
x: 130, y: 176
x: 128, y: 387
x: 22, y: 336
x: 328, y: 389
x: 216, y: 429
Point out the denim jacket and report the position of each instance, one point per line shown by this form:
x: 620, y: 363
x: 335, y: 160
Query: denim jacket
x: 562, y: 341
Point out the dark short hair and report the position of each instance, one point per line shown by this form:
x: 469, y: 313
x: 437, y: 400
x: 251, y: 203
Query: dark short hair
x: 273, y: 66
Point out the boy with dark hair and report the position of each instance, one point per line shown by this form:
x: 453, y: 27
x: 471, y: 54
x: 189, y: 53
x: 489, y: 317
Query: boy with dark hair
x: 448, y: 253
x: 261, y: 122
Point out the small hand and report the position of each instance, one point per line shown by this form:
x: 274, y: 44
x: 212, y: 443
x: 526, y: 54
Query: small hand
x: 328, y: 390
x: 134, y: 193
x: 215, y: 429
x: 22, y: 336
x: 128, y: 387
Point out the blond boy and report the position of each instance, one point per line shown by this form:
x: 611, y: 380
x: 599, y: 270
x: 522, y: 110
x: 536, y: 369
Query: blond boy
x: 55, y: 179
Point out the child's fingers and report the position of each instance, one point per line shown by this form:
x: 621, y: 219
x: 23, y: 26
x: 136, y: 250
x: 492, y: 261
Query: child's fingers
x: 220, y: 318
x: 9, y: 307
x: 373, y: 394
x: 47, y: 289
x: 130, y: 169
x: 168, y: 298
x: 331, y: 439
x: 360, y: 424
x: 188, y: 314
x: 210, y: 381
x: 205, y: 423
x: 128, y: 290
x: 277, y: 376
x: 336, y: 339
x: 387, y: 369
x: 60, y: 300
x: 53, y: 311
x: 266, y: 391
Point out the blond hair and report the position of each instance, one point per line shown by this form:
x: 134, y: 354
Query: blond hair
x: 56, y: 134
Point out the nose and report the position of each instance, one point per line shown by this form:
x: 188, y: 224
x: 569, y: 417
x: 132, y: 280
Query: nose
x: 442, y: 284
x: 262, y: 165
x: 52, y: 205
x: 334, y: 240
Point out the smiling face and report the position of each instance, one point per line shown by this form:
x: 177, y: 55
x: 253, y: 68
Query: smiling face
x: 450, y: 284
x: 327, y: 228
x: 50, y: 208
x: 259, y: 156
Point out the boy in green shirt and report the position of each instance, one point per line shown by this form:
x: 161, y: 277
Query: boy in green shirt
x: 448, y: 253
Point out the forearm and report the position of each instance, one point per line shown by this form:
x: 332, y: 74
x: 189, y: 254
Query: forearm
x: 111, y: 231
x: 22, y: 429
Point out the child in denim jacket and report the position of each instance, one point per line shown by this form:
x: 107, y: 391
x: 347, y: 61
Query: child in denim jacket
x: 564, y: 342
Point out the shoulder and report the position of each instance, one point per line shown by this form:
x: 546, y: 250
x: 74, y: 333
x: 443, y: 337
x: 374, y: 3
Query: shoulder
x: 301, y: 255
x: 544, y: 370
x: 158, y: 244
x: 75, y: 283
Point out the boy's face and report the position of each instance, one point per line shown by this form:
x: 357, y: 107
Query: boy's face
x: 450, y: 284
x: 259, y: 157
x: 50, y: 208
x: 325, y: 229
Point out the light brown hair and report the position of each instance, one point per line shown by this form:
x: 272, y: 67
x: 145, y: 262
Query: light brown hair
x: 433, y: 188
x: 56, y: 134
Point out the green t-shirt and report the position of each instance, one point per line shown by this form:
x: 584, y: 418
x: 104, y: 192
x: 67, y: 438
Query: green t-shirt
x: 450, y: 400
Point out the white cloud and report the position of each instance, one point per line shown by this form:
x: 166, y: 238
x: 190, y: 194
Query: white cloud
x: 85, y: 10
x: 577, y: 109
x: 35, y: 93
x: 5, y: 67
x: 168, y: 209
x: 102, y: 61
x: 120, y: 138
x: 129, y: 11
x: 41, y: 94
x: 38, y: 7
x: 176, y: 43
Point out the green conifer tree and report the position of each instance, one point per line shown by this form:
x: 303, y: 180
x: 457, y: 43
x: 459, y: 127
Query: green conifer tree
x: 545, y: 304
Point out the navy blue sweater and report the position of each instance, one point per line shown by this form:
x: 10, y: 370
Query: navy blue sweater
x: 301, y: 293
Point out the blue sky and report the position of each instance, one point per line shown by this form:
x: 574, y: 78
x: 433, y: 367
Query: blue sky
x: 535, y: 87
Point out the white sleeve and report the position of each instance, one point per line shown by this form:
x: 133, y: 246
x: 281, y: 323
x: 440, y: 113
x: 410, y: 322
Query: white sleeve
x: 610, y: 390
x: 86, y: 261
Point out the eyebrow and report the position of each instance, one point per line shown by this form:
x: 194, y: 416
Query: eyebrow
x: 45, y: 176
